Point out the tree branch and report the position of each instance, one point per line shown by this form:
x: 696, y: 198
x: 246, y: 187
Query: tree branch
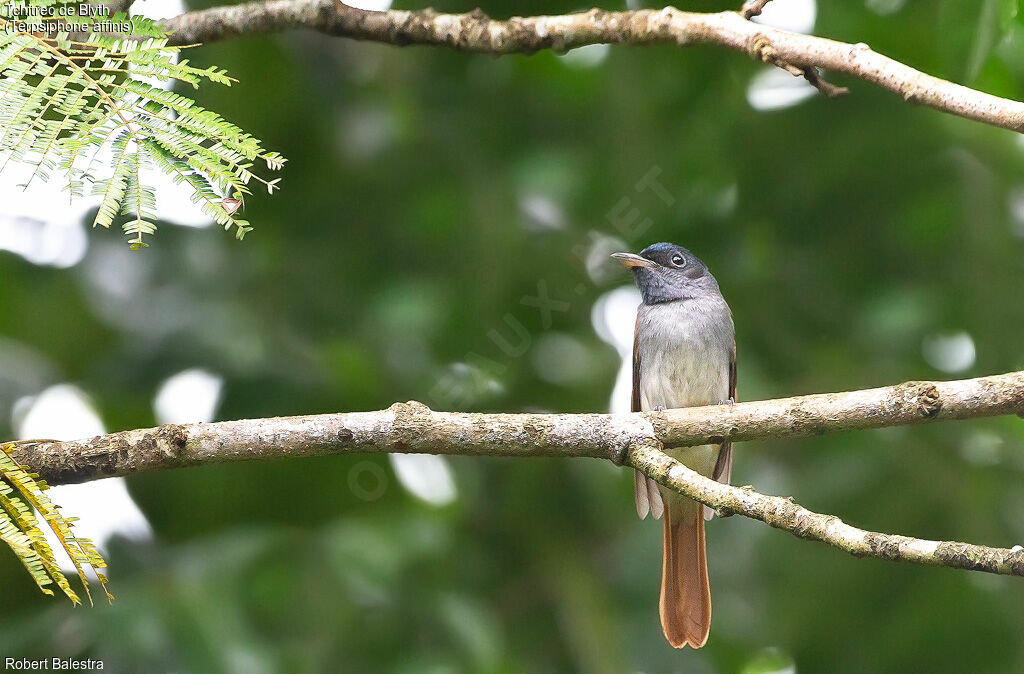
x: 752, y: 8
x: 412, y: 427
x: 476, y: 32
x: 630, y: 439
x: 783, y: 513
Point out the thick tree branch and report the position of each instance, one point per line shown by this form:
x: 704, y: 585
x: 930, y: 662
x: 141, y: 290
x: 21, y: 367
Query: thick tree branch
x: 904, y: 404
x: 412, y: 427
x: 630, y: 439
x: 476, y: 32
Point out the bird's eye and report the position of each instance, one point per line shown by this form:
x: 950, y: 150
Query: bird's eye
x: 678, y: 260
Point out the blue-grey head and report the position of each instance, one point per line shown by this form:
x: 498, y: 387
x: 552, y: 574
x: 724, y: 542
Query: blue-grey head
x: 665, y: 272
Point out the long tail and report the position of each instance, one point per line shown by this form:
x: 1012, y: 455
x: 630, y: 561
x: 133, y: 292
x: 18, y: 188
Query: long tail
x: 685, y: 593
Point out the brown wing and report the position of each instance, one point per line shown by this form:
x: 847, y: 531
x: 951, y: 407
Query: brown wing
x: 635, y: 405
x: 723, y: 469
x: 646, y: 494
x: 732, y: 372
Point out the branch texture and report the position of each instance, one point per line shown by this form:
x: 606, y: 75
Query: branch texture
x: 476, y: 32
x: 630, y: 439
x: 783, y: 513
x: 414, y: 428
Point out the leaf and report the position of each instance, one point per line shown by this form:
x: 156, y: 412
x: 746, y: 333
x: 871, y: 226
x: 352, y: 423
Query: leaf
x: 22, y: 502
x: 86, y: 112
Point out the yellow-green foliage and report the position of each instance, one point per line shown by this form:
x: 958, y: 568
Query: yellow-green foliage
x: 23, y: 501
x: 81, y: 106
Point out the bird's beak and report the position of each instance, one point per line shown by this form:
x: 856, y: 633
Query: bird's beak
x: 631, y: 260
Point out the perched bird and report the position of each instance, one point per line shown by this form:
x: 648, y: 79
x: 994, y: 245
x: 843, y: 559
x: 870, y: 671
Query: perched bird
x: 684, y: 355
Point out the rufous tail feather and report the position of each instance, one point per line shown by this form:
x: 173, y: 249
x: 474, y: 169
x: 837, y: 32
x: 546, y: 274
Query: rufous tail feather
x: 685, y: 593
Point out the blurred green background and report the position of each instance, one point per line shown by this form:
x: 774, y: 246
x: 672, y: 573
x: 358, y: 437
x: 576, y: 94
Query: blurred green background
x: 860, y: 242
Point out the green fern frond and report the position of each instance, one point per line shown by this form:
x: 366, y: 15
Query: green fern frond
x: 22, y: 501
x: 84, y: 106
x: 18, y: 533
x: 140, y: 200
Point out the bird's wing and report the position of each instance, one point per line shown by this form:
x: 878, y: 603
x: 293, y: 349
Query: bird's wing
x: 635, y: 404
x: 723, y: 469
x: 646, y: 493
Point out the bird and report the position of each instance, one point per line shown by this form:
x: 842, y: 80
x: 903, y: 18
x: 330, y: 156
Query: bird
x: 684, y: 355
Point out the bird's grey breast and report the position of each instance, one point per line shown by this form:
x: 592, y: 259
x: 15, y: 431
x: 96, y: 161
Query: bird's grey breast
x: 684, y: 349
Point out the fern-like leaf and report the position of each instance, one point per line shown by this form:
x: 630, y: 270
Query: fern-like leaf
x: 23, y: 501
x: 84, y: 105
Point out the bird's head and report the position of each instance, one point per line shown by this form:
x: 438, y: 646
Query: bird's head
x: 665, y: 272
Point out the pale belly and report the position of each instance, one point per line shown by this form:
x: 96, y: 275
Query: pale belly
x: 691, y: 372
x: 680, y: 381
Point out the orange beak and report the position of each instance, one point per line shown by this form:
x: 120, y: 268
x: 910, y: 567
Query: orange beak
x: 631, y: 260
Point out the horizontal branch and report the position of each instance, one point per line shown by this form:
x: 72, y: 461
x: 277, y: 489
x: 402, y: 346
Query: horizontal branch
x: 901, y: 405
x: 634, y: 439
x: 413, y: 428
x: 476, y: 32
